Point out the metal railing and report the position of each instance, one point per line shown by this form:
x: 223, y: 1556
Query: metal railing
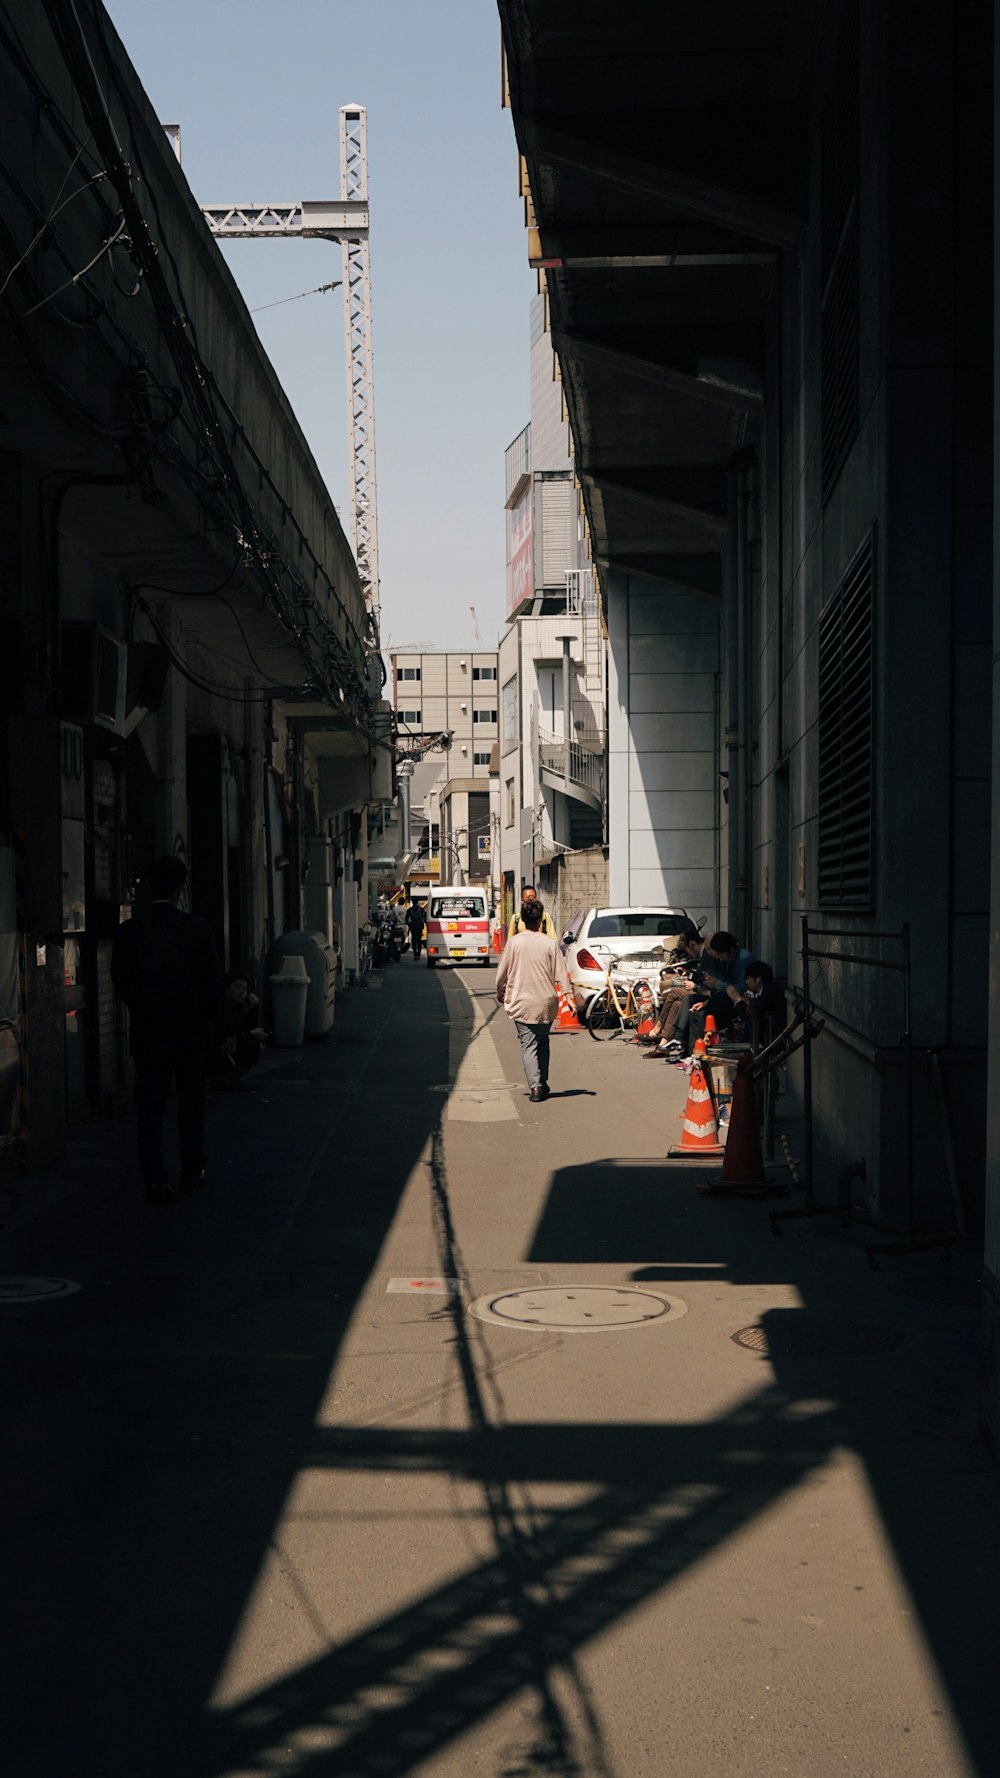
x: 581, y: 593
x: 579, y: 761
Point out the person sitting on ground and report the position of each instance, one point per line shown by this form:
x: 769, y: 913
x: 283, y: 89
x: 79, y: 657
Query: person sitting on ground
x: 764, y: 999
x: 724, y: 965
x: 518, y: 924
x: 679, y: 986
x: 246, y: 1035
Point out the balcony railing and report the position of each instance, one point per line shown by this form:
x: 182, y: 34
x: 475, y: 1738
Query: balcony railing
x: 581, y: 761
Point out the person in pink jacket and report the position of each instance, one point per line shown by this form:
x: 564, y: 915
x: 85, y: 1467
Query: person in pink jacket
x: 532, y: 971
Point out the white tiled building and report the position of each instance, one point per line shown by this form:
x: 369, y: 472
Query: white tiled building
x: 449, y: 692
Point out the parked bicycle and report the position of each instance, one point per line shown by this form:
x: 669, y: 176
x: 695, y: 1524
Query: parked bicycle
x: 620, y: 1007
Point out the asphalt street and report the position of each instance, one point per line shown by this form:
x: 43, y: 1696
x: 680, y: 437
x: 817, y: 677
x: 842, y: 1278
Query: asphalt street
x: 420, y: 1442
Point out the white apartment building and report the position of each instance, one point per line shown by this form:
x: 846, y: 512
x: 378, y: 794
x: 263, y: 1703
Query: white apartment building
x: 551, y: 659
x: 446, y: 712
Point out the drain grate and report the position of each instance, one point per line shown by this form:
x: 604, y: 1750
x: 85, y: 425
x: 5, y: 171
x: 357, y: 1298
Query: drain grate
x: 14, y: 1289
x: 817, y: 1339
x: 577, y: 1308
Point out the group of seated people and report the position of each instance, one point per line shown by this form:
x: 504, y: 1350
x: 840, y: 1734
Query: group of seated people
x: 714, y: 977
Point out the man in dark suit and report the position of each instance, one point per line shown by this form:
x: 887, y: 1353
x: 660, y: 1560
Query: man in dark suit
x: 165, y: 965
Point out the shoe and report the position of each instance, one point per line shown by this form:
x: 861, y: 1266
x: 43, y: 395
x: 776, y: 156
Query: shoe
x: 536, y: 1095
x: 191, y: 1182
x: 160, y: 1192
x: 657, y: 1055
x: 544, y: 1091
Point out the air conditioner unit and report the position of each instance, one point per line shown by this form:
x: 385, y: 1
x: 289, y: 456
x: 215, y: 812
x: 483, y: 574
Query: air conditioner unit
x: 93, y: 676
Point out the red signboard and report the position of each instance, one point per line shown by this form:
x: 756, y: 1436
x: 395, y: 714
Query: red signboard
x: 521, y: 567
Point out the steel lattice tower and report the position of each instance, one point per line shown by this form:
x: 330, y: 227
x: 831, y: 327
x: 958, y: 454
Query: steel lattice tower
x: 344, y: 220
x: 358, y: 347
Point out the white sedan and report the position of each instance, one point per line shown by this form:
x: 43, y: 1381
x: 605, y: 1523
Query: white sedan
x: 595, y: 937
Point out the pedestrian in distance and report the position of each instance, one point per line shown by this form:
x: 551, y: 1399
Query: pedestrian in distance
x: 531, y: 974
x: 165, y: 965
x: 416, y: 925
x: 529, y: 895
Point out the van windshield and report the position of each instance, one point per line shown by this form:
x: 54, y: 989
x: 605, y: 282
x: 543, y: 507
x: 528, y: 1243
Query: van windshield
x: 458, y: 907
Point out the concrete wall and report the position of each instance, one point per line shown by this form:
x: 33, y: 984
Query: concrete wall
x: 663, y: 760
x: 917, y: 479
x: 991, y: 1254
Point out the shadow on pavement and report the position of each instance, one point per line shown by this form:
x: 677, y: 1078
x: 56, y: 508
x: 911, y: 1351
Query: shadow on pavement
x: 154, y: 1424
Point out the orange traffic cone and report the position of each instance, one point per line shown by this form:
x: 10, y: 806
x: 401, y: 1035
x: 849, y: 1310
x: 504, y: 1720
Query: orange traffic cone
x: 711, y: 1030
x: 744, y: 1162
x: 700, y: 1135
x: 567, y: 1019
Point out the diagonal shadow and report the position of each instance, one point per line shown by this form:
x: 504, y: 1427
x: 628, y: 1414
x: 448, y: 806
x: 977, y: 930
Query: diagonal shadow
x: 468, y: 1647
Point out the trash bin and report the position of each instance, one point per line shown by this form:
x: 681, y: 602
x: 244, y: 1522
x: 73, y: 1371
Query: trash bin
x: 289, y: 993
x: 320, y: 960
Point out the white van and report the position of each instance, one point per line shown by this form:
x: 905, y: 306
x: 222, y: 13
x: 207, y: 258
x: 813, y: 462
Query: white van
x: 458, y: 925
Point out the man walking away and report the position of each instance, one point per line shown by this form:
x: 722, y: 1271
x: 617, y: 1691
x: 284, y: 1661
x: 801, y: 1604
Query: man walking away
x: 166, y: 968
x: 416, y: 922
x: 532, y: 971
x: 528, y: 896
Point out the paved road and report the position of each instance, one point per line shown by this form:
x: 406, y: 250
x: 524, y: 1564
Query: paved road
x: 278, y: 1502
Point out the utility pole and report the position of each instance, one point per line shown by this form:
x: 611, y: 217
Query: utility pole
x: 344, y: 220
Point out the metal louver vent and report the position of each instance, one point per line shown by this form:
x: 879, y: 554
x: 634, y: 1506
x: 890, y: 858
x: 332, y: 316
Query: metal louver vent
x: 839, y: 164
x: 846, y: 738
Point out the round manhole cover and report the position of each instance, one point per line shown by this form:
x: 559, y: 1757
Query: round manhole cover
x: 817, y: 1339
x: 578, y: 1308
x: 35, y: 1290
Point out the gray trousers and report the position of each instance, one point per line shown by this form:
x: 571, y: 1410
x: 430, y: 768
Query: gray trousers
x: 534, y: 1041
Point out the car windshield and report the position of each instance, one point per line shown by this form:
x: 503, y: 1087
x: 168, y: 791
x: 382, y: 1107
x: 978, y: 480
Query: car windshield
x: 458, y: 907
x: 632, y: 925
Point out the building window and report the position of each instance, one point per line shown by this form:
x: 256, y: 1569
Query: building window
x: 407, y: 672
x: 509, y: 803
x: 484, y: 716
x: 480, y: 759
x: 484, y: 672
x: 846, y: 738
x: 839, y: 276
x: 510, y: 715
x: 414, y: 717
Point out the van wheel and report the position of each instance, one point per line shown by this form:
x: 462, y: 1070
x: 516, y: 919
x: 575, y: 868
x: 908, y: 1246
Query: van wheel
x: 432, y: 962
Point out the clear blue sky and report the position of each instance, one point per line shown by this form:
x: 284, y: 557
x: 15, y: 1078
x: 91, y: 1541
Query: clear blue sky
x: 257, y: 89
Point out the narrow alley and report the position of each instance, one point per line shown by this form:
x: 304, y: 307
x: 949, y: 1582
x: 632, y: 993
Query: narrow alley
x: 289, y: 1496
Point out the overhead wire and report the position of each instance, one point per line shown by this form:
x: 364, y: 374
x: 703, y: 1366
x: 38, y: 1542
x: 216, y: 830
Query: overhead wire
x: 56, y: 210
x: 105, y: 247
x: 179, y: 332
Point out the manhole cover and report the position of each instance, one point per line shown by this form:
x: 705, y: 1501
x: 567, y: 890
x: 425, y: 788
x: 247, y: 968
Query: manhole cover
x: 581, y: 1308
x: 34, y: 1290
x: 817, y: 1339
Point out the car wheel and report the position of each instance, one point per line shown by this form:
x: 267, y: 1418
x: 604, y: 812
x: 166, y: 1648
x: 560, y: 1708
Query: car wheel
x: 432, y: 962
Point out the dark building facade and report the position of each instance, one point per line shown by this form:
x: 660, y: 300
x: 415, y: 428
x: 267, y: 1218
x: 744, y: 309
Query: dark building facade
x: 188, y: 663
x: 767, y: 238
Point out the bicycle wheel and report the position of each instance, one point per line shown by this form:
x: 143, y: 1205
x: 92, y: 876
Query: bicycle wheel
x: 602, y: 1018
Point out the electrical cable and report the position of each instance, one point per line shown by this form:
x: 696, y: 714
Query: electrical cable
x: 178, y: 332
x: 205, y: 685
x: 56, y: 210
x: 75, y: 279
x: 317, y: 291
